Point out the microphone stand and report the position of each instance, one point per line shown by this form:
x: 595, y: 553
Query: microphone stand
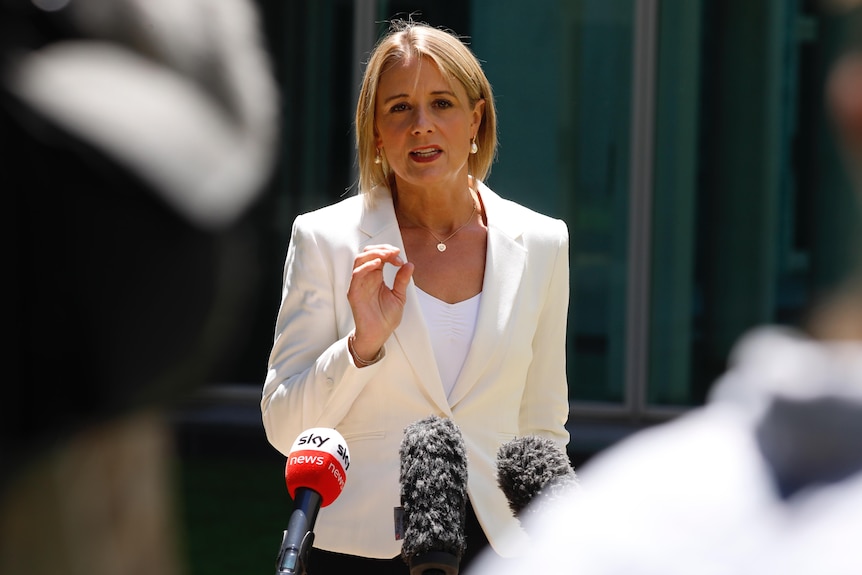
x: 298, y: 538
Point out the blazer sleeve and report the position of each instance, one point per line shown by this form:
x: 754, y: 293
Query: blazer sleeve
x: 544, y: 409
x: 311, y: 379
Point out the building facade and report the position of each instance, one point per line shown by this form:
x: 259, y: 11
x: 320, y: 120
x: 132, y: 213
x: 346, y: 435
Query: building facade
x: 684, y: 142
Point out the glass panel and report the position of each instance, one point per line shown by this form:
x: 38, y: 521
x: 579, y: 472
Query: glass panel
x: 595, y: 145
x: 310, y: 45
x: 744, y: 173
x: 562, y: 76
x: 674, y: 201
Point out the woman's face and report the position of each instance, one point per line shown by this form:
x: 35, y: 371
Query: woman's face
x: 424, y: 124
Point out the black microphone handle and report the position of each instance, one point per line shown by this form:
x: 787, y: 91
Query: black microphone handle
x: 297, y: 539
x: 434, y: 563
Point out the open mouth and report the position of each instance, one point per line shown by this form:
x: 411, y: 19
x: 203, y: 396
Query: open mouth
x: 426, y: 154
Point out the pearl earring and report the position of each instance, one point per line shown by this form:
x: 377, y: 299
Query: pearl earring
x: 473, y: 146
x: 377, y: 159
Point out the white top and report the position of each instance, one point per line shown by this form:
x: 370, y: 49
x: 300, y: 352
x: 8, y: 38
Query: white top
x: 451, y: 327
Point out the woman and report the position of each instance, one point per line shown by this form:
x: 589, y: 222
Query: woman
x: 426, y: 294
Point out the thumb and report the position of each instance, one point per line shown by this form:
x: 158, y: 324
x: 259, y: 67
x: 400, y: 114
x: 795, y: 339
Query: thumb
x: 402, y: 278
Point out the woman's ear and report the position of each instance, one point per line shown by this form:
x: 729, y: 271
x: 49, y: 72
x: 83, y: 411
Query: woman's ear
x: 378, y: 142
x: 478, y: 114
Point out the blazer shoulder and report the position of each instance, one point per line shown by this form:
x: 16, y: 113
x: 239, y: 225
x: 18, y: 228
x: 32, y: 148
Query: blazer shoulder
x: 341, y: 212
x: 517, y: 219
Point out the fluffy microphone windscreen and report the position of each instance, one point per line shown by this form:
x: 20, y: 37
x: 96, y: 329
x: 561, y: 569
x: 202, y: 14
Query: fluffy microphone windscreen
x: 433, y: 488
x: 533, y: 468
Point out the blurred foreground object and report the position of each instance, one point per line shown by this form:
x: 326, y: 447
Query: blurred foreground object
x: 136, y: 135
x: 178, y: 93
x: 766, y: 478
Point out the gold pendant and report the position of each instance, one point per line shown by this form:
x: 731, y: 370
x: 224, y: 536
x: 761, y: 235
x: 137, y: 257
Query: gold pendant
x: 441, y: 247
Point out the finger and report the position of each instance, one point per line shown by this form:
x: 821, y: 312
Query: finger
x: 365, y: 269
x: 387, y: 253
x: 386, y: 247
x: 402, y: 278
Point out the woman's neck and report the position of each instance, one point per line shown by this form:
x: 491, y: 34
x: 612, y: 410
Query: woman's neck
x: 440, y: 210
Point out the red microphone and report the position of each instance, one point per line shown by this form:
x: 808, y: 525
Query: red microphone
x: 315, y: 474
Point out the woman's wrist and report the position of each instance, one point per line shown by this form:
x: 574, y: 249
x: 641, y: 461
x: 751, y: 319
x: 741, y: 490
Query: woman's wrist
x: 358, y: 359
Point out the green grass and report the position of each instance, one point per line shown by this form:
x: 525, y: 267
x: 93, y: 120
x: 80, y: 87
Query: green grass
x: 233, y: 512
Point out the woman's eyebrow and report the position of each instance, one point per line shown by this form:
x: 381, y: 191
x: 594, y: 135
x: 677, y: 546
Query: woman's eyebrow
x: 434, y: 93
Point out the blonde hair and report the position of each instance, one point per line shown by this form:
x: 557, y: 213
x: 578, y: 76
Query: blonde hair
x: 407, y: 39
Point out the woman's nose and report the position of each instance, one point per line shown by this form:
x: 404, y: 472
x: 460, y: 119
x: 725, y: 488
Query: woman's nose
x: 422, y: 122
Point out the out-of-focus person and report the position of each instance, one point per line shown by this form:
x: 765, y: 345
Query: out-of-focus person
x: 136, y: 134
x: 764, y: 478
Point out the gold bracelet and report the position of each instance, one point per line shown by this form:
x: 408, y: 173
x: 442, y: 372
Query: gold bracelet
x: 358, y: 359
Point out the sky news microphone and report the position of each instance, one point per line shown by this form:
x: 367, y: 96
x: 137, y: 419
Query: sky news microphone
x: 315, y: 473
x: 532, y: 472
x: 433, y: 496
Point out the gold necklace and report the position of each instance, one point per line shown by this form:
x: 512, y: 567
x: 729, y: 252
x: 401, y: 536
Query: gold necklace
x: 441, y: 244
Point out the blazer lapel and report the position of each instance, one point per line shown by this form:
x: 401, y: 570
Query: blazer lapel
x: 381, y: 226
x: 504, y: 267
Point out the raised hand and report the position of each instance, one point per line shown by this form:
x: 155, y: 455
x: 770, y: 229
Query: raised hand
x: 377, y: 309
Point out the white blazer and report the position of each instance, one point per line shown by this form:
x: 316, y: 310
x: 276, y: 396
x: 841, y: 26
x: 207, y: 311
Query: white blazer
x: 513, y: 382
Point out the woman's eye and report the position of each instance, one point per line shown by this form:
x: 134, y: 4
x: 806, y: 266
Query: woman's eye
x: 398, y: 107
x: 443, y: 104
